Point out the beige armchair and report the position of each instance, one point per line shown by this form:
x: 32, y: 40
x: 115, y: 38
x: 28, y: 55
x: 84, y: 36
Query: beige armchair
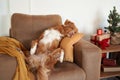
x: 26, y: 27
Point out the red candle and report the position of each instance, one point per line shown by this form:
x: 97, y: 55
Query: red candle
x: 99, y: 31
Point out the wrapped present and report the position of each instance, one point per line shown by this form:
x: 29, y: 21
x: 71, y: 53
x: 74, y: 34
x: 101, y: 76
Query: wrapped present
x: 109, y: 62
x: 101, y: 40
x: 103, y: 36
x: 104, y: 43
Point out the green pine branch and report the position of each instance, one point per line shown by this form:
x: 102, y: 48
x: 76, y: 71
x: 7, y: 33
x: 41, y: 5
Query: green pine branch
x: 114, y: 21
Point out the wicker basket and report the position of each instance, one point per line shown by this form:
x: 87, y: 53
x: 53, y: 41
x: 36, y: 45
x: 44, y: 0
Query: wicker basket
x: 115, y: 38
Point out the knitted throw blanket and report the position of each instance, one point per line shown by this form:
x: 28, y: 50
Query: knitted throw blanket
x: 14, y: 48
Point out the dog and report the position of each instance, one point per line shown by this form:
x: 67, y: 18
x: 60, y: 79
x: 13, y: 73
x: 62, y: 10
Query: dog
x: 45, y: 51
x: 49, y: 40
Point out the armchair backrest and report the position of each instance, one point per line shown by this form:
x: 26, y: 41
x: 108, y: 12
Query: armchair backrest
x: 26, y: 28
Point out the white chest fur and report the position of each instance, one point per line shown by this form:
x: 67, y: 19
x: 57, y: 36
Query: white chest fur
x: 50, y: 35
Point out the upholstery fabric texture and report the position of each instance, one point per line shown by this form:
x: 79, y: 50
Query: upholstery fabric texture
x: 67, y: 71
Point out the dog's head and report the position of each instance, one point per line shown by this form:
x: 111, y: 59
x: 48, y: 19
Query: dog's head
x: 69, y: 28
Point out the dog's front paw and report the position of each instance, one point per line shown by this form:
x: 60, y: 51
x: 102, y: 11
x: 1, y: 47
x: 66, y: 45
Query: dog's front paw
x: 61, y: 56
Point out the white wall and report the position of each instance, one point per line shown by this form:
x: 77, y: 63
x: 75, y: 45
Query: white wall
x: 19, y: 6
x: 88, y: 15
x: 7, y: 8
x: 4, y: 17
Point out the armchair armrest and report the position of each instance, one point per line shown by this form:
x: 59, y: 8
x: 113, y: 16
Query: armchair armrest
x: 88, y: 56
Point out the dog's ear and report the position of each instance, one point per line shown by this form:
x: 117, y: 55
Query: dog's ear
x: 42, y: 73
x: 67, y: 22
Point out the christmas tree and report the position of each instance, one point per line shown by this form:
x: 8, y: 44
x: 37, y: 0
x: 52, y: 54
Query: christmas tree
x: 114, y: 21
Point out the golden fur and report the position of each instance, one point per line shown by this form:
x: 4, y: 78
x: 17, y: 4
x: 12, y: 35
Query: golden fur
x: 44, y: 56
x: 42, y: 64
x: 69, y: 28
x: 66, y: 30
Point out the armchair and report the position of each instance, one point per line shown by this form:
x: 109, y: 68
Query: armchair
x: 25, y: 28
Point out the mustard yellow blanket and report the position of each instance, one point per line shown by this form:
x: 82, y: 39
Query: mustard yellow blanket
x: 12, y: 47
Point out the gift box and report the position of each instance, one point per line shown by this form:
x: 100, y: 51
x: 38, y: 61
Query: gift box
x: 101, y: 40
x: 104, y: 43
x: 109, y: 62
x: 103, y: 36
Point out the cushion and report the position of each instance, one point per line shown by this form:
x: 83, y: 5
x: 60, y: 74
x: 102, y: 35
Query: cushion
x: 67, y: 71
x: 26, y: 28
x: 67, y: 45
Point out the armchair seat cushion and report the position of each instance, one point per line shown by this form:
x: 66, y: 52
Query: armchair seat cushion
x: 67, y: 71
